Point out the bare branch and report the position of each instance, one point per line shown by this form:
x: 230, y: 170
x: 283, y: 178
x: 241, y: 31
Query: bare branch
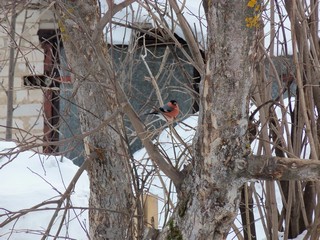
x: 152, y: 150
x: 190, y: 38
x: 112, y: 10
x: 277, y: 168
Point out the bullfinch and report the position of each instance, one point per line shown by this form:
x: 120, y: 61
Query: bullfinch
x: 167, y: 112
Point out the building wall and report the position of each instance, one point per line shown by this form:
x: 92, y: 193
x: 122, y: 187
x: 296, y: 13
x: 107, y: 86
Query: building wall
x: 175, y: 82
x: 27, y: 101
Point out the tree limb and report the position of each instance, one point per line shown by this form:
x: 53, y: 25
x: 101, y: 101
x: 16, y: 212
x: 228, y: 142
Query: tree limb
x: 151, y: 149
x: 189, y: 36
x: 277, y: 168
x: 112, y: 10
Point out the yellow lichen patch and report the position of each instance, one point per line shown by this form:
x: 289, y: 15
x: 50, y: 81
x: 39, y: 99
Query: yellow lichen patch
x: 252, y: 3
x: 253, y: 21
x: 63, y: 31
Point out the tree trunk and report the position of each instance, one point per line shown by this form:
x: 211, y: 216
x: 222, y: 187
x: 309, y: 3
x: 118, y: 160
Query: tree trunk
x: 209, y: 197
x: 246, y: 212
x: 12, y: 65
x: 209, y: 190
x: 111, y: 197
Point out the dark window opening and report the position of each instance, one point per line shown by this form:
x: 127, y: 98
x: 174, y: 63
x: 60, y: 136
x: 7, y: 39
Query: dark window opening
x: 37, y: 81
x: 51, y: 45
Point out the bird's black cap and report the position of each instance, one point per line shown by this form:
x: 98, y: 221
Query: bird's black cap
x: 174, y: 102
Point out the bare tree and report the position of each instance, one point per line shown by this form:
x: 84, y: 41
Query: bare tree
x: 11, y: 75
x: 12, y: 64
x: 237, y: 68
x: 222, y: 161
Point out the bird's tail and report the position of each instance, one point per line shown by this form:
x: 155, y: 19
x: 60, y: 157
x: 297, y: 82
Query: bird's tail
x: 154, y: 113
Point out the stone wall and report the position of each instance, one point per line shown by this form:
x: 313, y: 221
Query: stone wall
x: 27, y: 101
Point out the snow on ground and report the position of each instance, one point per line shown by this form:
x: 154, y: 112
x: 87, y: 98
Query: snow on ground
x: 172, y: 149
x: 30, y: 179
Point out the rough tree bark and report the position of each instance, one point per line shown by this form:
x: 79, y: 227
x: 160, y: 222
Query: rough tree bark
x: 111, y: 196
x: 209, y: 189
x: 209, y: 196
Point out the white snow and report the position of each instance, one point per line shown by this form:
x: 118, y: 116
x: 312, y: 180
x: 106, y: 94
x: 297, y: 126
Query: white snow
x: 28, y: 179
x: 120, y: 31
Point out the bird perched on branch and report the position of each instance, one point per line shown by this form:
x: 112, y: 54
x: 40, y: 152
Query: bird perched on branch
x: 167, y: 112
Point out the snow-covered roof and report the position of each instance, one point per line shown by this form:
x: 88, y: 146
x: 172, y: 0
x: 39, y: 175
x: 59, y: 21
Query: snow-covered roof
x: 154, y: 13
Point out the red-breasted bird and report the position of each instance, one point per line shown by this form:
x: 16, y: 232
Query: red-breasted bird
x: 167, y: 112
